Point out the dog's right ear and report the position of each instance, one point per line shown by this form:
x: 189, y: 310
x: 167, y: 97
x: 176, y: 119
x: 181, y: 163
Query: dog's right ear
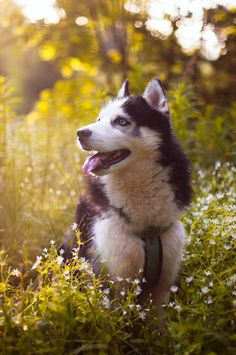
x: 124, y: 90
x: 155, y: 96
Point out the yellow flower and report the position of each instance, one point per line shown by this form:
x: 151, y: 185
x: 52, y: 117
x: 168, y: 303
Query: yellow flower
x: 78, y: 235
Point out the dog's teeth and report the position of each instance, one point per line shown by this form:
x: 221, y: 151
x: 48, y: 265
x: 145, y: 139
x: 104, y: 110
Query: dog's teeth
x: 92, y: 152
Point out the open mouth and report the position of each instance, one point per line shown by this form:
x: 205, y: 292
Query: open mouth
x: 101, y: 161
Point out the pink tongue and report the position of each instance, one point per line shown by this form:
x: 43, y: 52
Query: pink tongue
x: 90, y: 164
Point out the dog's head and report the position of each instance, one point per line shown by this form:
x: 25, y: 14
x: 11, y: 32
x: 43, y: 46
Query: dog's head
x: 128, y: 128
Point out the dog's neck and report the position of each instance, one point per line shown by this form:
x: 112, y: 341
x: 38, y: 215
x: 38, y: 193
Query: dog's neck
x: 143, y: 193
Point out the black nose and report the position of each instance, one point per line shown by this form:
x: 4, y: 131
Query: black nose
x: 82, y: 133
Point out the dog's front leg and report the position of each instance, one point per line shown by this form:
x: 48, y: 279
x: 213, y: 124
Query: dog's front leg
x: 122, y: 252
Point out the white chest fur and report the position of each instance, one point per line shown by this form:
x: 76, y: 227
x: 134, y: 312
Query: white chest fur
x: 118, y: 247
x: 146, y: 197
x: 124, y: 254
x: 144, y: 194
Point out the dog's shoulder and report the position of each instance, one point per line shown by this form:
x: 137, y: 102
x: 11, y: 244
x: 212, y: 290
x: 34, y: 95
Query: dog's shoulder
x: 96, y: 195
x: 92, y: 203
x: 89, y: 207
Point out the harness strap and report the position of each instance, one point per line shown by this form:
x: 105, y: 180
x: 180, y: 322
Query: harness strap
x: 153, y: 255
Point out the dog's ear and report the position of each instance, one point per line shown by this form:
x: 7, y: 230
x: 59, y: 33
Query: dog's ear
x: 124, y: 90
x: 155, y: 96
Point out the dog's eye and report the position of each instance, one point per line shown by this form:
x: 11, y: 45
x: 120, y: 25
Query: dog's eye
x: 121, y: 121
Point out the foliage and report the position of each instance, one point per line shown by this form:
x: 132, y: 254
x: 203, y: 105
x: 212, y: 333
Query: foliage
x: 71, y: 312
x: 206, y: 133
x: 115, y: 42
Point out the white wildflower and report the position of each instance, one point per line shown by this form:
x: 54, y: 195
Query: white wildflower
x: 234, y: 293
x: 74, y: 288
x: 189, y: 279
x: 75, y: 252
x: 124, y: 312
x: 174, y: 288
x: 217, y: 165
x: 205, y: 289
x: 122, y: 293
x: 211, y: 283
x: 209, y: 300
x: 171, y: 304
x: 66, y: 275
x: 232, y: 280
x: 136, y: 281
x: 86, y: 267
x: 16, y: 272
x: 138, y: 307
x: 106, y: 291
x: 62, y: 251
x: 59, y: 260
x: 142, y: 315
x: 52, y: 242
x: 45, y: 250
x: 138, y: 291
x: 106, y: 302
x: 177, y: 307
x: 37, y: 262
x: 207, y: 273
x: 119, y: 278
x: 74, y: 226
x: 227, y: 246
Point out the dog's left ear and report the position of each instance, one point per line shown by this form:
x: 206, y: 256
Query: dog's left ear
x: 124, y: 90
x: 155, y: 96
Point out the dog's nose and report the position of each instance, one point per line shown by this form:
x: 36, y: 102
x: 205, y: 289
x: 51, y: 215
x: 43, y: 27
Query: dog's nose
x: 82, y: 133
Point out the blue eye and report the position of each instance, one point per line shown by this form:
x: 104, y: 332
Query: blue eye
x: 121, y: 121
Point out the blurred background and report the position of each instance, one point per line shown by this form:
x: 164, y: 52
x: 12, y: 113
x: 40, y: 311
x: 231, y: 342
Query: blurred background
x: 59, y: 62
x: 44, y: 41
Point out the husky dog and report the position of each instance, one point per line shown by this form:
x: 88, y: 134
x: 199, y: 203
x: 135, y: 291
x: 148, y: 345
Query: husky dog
x: 138, y: 182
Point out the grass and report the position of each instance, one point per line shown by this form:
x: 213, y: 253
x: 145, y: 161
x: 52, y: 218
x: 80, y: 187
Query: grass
x: 71, y: 313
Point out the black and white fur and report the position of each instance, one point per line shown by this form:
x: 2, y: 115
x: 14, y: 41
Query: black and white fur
x: 150, y: 187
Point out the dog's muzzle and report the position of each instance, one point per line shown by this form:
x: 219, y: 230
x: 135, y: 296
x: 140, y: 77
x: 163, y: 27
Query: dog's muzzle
x: 83, y: 135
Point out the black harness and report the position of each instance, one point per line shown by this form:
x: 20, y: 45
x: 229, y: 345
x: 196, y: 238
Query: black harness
x: 153, y: 263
